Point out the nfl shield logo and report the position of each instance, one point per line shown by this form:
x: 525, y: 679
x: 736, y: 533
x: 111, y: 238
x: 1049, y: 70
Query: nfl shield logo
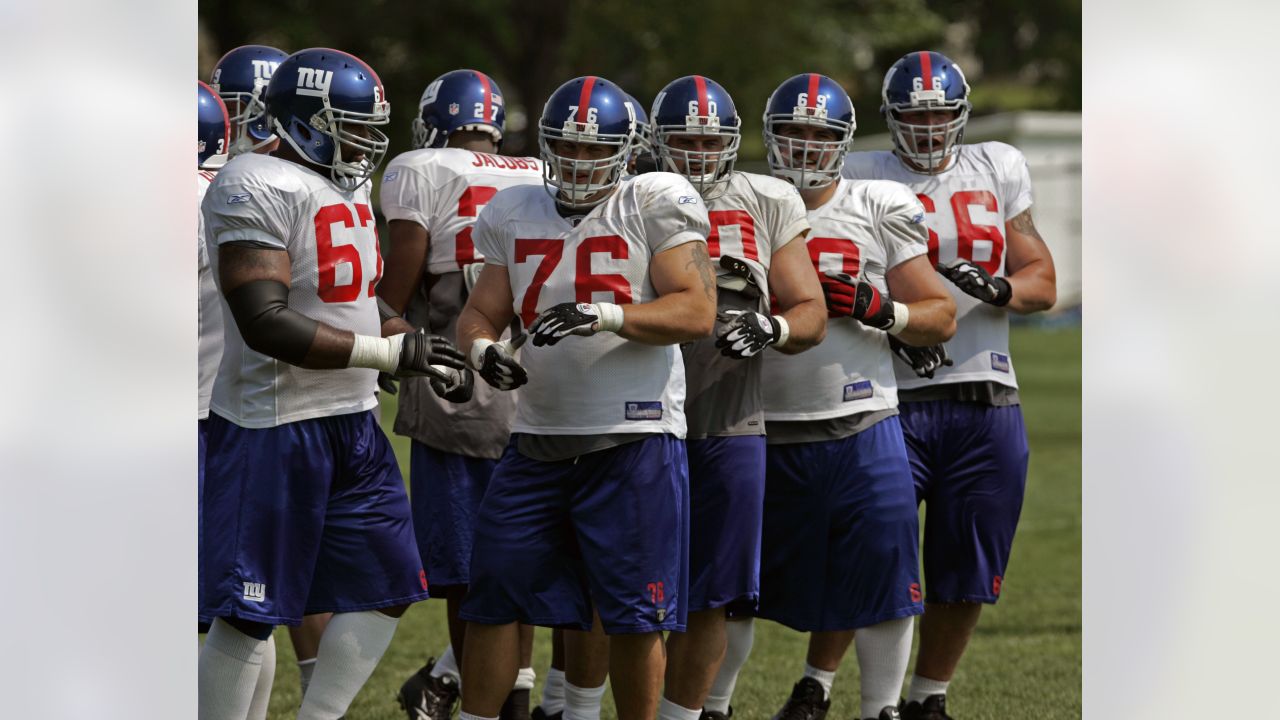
x: 453, y: 108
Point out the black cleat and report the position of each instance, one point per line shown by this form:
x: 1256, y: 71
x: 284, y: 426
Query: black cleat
x: 889, y: 712
x: 806, y: 702
x: 516, y: 707
x: 423, y: 697
x: 540, y: 714
x: 934, y: 707
x: 715, y: 715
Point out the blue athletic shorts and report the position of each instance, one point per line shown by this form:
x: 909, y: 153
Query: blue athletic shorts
x: 840, y: 533
x: 726, y: 504
x: 970, y: 466
x: 307, y: 517
x: 609, y: 529
x: 202, y: 433
x: 445, y: 491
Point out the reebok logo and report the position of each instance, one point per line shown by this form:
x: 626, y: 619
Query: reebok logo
x: 237, y: 199
x: 314, y: 81
x: 255, y: 592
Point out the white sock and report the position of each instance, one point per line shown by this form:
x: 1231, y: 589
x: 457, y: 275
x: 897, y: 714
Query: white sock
x: 582, y: 703
x: 824, y: 678
x: 230, y: 663
x: 668, y: 710
x: 469, y: 716
x: 447, y: 665
x: 884, y: 650
x: 923, y: 687
x: 306, y: 668
x: 350, y: 648
x: 741, y: 634
x: 266, y: 676
x: 525, y: 679
x: 553, y: 692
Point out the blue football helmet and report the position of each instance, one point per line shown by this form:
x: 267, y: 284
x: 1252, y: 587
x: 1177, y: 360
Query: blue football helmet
x: 816, y: 101
x: 326, y: 102
x: 643, y: 142
x: 921, y: 82
x: 459, y: 100
x: 588, y: 110
x: 696, y: 105
x: 240, y: 78
x: 214, y: 130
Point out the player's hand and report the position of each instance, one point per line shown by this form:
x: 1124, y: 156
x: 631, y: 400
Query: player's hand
x: 976, y: 281
x: 746, y: 333
x: 387, y: 382
x: 459, y: 388
x: 924, y: 360
x: 429, y: 355
x: 847, y: 297
x: 496, y: 362
x: 569, y: 318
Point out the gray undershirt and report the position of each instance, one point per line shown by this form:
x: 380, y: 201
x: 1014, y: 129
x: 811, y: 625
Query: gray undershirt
x: 986, y: 392
x: 556, y: 448
x: 786, y: 432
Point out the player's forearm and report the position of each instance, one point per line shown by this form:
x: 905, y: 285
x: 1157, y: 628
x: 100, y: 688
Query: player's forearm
x: 678, y: 317
x: 395, y: 326
x: 270, y: 327
x: 474, y: 325
x: 807, y: 321
x: 930, y: 322
x: 1035, y: 288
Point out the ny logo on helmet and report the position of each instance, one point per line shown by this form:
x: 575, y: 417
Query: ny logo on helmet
x: 314, y: 81
x: 262, y: 69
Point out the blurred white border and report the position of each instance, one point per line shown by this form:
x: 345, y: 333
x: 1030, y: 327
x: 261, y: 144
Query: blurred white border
x: 97, y: 432
x: 1181, y: 480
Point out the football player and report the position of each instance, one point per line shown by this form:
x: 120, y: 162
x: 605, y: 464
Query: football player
x: 641, y: 160
x: 758, y: 226
x: 431, y: 196
x: 588, y: 507
x: 840, y: 526
x: 963, y: 426
x: 213, y: 141
x: 240, y: 78
x: 304, y: 505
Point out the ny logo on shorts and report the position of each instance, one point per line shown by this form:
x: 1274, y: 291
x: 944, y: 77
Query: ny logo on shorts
x: 255, y: 592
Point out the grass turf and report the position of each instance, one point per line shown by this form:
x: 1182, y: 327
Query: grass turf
x: 1023, y: 661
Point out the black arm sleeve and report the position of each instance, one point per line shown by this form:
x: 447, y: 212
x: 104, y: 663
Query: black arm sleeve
x: 268, y: 326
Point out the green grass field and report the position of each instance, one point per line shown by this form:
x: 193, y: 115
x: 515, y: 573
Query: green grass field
x: 1024, y: 661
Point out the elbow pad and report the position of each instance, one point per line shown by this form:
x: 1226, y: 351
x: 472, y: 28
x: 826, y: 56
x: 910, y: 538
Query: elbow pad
x: 268, y: 326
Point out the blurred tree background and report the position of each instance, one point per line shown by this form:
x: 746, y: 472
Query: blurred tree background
x: 1016, y: 55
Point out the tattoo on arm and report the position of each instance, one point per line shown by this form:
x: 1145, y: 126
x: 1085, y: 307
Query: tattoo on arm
x: 1023, y: 224
x: 701, y: 262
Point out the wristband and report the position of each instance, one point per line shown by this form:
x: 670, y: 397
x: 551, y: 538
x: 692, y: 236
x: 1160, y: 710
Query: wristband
x: 476, y: 357
x: 901, y: 316
x: 610, y: 317
x: 376, y: 353
x: 784, y: 331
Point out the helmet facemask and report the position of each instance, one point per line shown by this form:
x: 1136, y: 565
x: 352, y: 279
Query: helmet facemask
x: 708, y: 171
x: 249, y: 129
x: 807, y: 164
x: 560, y: 173
x: 909, y: 138
x: 335, y: 124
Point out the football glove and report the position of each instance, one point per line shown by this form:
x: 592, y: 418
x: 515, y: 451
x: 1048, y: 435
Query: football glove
x: 924, y: 360
x: 568, y: 318
x: 429, y: 355
x: 746, y: 333
x: 388, y: 383
x: 859, y: 299
x: 458, y: 389
x: 976, y: 281
x: 496, y: 364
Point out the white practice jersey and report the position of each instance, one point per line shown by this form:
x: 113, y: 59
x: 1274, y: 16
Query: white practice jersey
x: 443, y: 190
x: 335, y: 264
x: 966, y: 208
x: 602, y: 383
x: 752, y: 219
x: 209, y: 309
x: 866, y: 229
